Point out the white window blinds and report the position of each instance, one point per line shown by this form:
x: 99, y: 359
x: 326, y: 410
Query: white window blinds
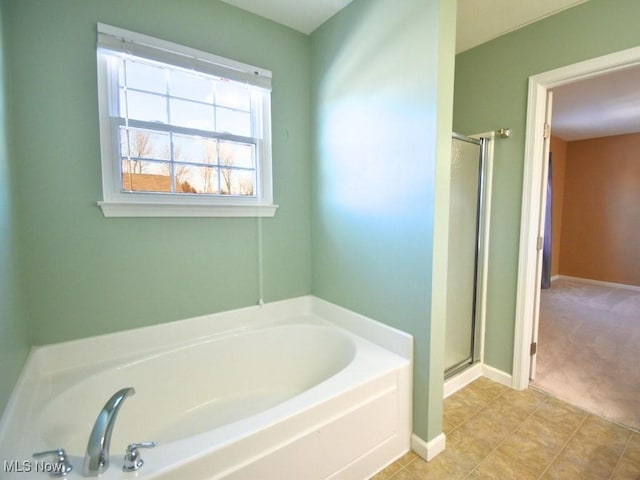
x: 123, y: 41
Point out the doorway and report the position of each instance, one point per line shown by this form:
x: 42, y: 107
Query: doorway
x: 527, y: 305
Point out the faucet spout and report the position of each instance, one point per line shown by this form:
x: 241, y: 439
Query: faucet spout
x: 96, y: 460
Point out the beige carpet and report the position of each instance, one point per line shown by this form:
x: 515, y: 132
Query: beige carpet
x: 589, y: 348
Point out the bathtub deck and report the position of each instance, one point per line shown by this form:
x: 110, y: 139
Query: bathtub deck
x: 349, y: 422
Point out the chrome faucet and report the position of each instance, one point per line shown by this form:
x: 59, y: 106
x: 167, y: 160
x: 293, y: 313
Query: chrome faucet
x: 96, y: 460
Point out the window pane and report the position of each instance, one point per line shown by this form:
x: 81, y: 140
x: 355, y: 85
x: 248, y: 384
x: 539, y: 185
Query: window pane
x: 232, y: 95
x: 143, y: 176
x: 194, y: 149
x: 141, y: 143
x: 191, y: 115
x: 243, y: 182
x: 181, y: 132
x: 193, y: 179
x: 144, y: 77
x: 237, y: 154
x: 145, y: 106
x: 233, y: 121
x: 193, y: 87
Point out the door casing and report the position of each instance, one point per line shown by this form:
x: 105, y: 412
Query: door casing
x: 534, y: 183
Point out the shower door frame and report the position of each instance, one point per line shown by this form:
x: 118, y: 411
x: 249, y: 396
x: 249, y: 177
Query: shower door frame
x: 485, y: 169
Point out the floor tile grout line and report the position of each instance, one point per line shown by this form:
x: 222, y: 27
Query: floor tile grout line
x: 465, y: 420
x: 404, y: 467
x: 497, y: 446
x: 478, y: 411
x: 565, y: 444
x: 546, y: 397
x: 486, y: 405
x: 621, y: 457
x: 507, y: 436
x: 541, y: 390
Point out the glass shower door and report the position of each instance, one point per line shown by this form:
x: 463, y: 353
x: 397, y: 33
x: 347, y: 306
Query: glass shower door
x: 464, y: 238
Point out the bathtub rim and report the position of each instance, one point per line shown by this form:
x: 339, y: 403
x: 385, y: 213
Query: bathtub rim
x: 58, y: 358
x: 114, y: 347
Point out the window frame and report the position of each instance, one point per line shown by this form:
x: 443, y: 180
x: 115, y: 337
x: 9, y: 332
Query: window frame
x: 118, y: 203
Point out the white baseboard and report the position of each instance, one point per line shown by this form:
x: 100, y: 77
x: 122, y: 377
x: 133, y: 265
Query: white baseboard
x: 428, y: 450
x: 635, y: 288
x: 497, y: 376
x: 462, y: 379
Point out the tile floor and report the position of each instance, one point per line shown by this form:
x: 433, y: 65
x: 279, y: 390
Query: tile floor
x: 494, y: 432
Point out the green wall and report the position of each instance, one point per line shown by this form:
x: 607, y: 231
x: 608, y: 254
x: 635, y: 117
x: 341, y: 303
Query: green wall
x: 14, y: 334
x: 86, y: 274
x: 491, y: 93
x: 376, y: 68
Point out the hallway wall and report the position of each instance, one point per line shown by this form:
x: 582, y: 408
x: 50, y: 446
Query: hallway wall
x: 601, y: 213
x: 491, y: 86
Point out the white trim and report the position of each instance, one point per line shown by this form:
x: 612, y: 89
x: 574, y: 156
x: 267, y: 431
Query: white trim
x: 115, y: 202
x: 496, y: 375
x: 470, y: 375
x: 116, y: 39
x: 624, y: 286
x: 138, y: 209
x: 428, y: 450
x: 532, y: 181
x: 530, y: 217
x: 461, y: 380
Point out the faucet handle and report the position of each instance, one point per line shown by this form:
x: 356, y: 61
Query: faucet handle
x: 132, y: 459
x: 61, y: 466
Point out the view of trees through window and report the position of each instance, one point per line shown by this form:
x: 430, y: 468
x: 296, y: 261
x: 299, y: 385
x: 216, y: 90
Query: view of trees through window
x: 183, y: 132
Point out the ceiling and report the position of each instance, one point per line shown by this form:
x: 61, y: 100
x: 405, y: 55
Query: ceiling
x: 302, y: 15
x: 479, y: 21
x: 497, y: 16
x: 601, y: 106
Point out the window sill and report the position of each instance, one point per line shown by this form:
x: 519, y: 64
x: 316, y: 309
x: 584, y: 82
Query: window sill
x: 157, y: 209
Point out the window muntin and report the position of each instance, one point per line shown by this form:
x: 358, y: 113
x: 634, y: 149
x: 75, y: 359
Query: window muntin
x: 198, y: 160
x: 181, y: 135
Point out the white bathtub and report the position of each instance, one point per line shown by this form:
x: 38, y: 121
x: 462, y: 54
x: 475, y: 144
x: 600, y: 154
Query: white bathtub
x: 300, y: 389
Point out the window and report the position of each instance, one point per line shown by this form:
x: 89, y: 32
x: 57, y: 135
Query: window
x: 182, y: 132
